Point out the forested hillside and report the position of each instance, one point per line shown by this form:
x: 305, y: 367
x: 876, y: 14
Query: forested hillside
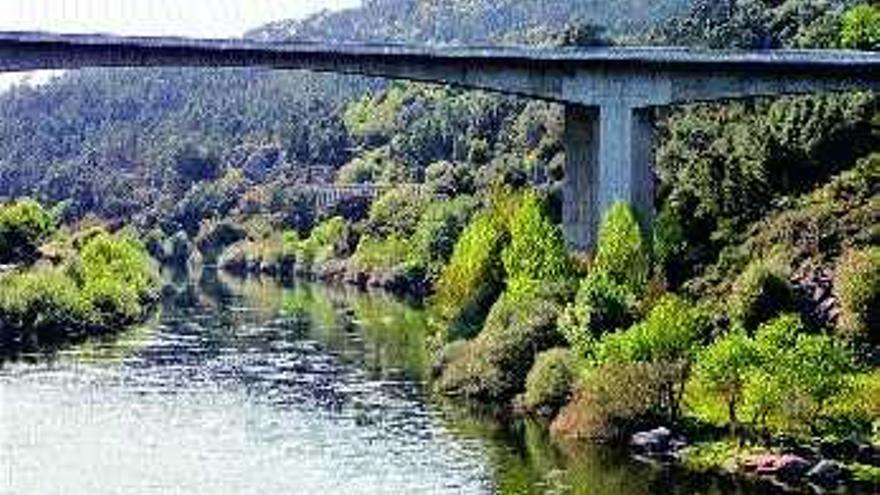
x: 750, y: 306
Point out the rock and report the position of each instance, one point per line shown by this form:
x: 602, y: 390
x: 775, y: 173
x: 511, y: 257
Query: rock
x: 843, y: 450
x: 785, y: 467
x: 656, y: 441
x: 827, y: 474
x: 868, y: 454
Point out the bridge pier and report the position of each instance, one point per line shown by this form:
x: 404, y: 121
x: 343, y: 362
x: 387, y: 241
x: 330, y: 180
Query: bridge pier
x: 609, y: 158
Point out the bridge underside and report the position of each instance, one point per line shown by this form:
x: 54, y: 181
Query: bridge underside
x: 608, y: 93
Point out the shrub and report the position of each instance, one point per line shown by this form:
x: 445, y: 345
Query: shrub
x: 449, y: 179
x: 397, y: 212
x: 326, y: 240
x: 380, y: 254
x: 616, y: 399
x: 23, y: 226
x: 474, y: 277
x: 494, y: 365
x: 670, y: 245
x: 761, y: 292
x: 536, y: 255
x: 857, y: 288
x: 669, y: 337
x: 622, y: 252
x: 548, y: 384
x: 861, y: 27
x: 439, y: 229
x: 40, y: 309
x: 116, y: 277
x: 601, y: 306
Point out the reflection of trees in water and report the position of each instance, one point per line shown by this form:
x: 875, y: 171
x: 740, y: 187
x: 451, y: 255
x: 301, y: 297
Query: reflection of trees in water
x: 526, y: 460
x: 370, y: 331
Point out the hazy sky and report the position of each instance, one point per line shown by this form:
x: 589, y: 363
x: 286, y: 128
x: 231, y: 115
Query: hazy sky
x: 196, y: 18
x: 193, y: 18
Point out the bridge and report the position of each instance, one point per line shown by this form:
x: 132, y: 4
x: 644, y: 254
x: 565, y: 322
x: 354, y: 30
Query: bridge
x: 608, y: 93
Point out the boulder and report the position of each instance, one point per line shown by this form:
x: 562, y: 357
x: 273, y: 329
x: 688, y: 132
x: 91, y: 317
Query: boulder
x: 868, y: 454
x: 656, y: 441
x: 828, y: 474
x: 785, y: 467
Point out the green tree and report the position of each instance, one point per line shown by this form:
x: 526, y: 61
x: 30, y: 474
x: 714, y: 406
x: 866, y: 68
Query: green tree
x: 537, y: 255
x: 724, y: 368
x: 474, y: 277
x: 622, y: 252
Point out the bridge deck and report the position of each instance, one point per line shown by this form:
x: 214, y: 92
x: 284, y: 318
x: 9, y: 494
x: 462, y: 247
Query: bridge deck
x: 668, y: 57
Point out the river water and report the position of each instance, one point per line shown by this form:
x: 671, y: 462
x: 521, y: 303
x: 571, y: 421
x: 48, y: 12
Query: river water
x: 250, y: 387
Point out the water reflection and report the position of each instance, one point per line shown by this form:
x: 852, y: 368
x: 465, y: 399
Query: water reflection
x: 246, y: 386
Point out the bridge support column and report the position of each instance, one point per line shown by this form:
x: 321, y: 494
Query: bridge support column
x: 609, y: 158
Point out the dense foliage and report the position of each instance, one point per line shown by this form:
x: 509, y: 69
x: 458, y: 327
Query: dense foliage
x: 100, y: 284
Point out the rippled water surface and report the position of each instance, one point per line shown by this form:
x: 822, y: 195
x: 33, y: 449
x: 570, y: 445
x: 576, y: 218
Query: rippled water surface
x: 247, y: 387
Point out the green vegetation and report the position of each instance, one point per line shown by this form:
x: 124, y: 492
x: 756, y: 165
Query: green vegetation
x: 761, y: 292
x: 548, y: 384
x: 861, y: 28
x: 536, y: 257
x: 474, y: 276
x: 102, y: 283
x: 494, y: 365
x: 24, y: 225
x: 857, y: 287
x: 621, y: 253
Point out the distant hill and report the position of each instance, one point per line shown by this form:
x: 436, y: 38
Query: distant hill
x: 472, y: 21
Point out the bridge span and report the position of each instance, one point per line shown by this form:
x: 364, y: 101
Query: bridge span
x: 608, y: 93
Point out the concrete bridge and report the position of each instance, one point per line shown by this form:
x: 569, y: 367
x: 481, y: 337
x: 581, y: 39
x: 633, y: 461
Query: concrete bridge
x: 608, y: 93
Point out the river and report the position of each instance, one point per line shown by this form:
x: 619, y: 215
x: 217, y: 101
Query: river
x: 252, y: 387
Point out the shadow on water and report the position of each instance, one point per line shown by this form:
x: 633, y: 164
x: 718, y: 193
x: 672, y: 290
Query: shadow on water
x: 326, y: 384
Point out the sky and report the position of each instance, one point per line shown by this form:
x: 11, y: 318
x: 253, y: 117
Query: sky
x: 190, y: 18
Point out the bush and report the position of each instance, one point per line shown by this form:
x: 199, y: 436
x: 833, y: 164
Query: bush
x: 474, y: 277
x: 326, y: 241
x: 601, y: 306
x: 397, y: 212
x: 380, y: 254
x: 861, y: 28
x: 857, y: 288
x: 449, y: 179
x: 23, y: 226
x: 622, y: 252
x: 548, y: 384
x: 669, y: 337
x: 617, y: 399
x: 116, y: 277
x: 536, y: 255
x: 438, y: 230
x: 493, y: 367
x: 761, y: 292
x: 40, y: 310
x: 670, y: 246
x: 796, y: 378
